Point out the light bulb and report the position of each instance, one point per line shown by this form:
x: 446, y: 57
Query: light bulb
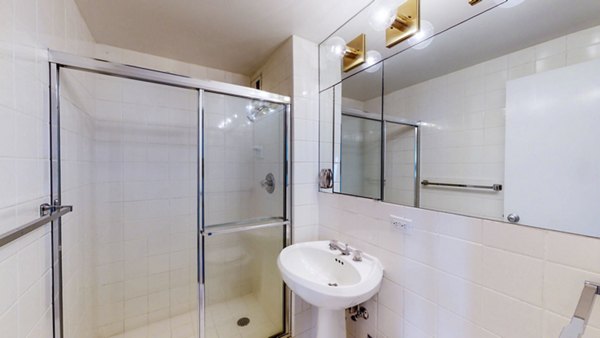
x: 424, y: 36
x: 335, y: 47
x: 509, y: 3
x: 381, y: 17
x: 372, y: 61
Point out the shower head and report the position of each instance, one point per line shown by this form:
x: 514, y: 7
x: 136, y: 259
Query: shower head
x: 258, y: 109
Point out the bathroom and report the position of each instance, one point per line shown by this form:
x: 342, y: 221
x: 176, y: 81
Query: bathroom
x: 366, y: 168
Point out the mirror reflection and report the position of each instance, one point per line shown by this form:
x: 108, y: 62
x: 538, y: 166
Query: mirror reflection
x: 358, y: 122
x: 495, y: 119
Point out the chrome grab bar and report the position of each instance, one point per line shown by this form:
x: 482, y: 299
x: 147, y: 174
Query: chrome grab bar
x: 48, y: 214
x: 494, y: 187
x: 576, y: 326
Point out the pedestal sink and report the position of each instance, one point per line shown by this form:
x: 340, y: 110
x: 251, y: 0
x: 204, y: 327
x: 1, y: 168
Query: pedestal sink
x: 330, y: 281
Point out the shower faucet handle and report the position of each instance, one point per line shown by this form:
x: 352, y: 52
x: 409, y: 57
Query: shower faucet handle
x: 268, y: 183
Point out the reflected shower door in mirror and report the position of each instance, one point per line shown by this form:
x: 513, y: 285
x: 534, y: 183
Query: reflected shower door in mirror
x: 360, y: 156
x: 357, y: 144
x: 401, y: 162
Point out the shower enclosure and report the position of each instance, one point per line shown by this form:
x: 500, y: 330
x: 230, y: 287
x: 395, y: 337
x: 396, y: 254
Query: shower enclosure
x: 181, y: 195
x: 363, y: 150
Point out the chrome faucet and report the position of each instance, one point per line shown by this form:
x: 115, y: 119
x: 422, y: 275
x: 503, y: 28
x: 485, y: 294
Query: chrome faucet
x: 335, y: 245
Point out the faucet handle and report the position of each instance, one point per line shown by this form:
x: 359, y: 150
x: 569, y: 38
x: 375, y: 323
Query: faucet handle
x: 357, y: 256
x: 333, y: 244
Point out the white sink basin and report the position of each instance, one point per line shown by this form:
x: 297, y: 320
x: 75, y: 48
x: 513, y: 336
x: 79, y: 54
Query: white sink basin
x: 330, y: 281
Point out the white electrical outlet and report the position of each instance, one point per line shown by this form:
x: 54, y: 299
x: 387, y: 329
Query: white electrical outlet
x: 400, y: 223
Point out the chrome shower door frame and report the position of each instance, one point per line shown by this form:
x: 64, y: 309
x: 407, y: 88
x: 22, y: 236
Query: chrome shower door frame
x: 59, y: 60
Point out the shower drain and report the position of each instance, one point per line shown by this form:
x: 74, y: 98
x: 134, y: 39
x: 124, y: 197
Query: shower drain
x: 243, y: 321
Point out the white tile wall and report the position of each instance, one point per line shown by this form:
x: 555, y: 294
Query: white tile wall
x: 454, y: 276
x: 144, y: 163
x: 29, y: 27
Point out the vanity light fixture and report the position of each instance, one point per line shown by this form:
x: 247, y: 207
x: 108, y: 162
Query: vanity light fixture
x: 351, y: 53
x: 354, y: 54
x: 405, y: 24
x: 335, y: 48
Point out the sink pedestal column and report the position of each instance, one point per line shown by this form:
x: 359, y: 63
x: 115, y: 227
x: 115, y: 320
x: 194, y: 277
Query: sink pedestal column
x: 331, y: 323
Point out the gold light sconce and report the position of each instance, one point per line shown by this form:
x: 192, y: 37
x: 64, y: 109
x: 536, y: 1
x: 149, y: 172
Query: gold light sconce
x: 406, y: 23
x: 354, y: 55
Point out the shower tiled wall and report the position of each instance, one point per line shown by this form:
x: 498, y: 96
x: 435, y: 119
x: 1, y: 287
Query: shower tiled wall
x: 229, y: 159
x: 238, y: 155
x: 77, y: 139
x: 144, y: 242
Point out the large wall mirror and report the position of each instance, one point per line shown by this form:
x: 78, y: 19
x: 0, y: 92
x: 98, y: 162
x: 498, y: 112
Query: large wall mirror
x: 496, y: 117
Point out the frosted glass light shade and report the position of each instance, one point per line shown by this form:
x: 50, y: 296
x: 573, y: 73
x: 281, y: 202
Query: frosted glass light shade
x: 335, y: 47
x: 373, y: 61
x: 424, y: 37
x: 381, y: 17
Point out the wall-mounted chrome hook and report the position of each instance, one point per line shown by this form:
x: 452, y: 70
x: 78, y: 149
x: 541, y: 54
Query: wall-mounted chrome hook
x: 46, y: 208
x: 576, y: 326
x: 326, y: 179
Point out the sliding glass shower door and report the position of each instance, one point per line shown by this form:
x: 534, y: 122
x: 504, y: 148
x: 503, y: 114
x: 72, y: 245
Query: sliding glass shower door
x: 244, y: 216
x: 129, y: 166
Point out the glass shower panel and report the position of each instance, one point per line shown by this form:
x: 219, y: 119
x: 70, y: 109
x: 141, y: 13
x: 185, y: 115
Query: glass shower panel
x: 400, y: 163
x: 360, y: 169
x: 244, y: 291
x: 129, y: 165
x: 244, y: 160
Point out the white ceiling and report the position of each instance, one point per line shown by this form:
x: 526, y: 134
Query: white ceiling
x: 233, y: 35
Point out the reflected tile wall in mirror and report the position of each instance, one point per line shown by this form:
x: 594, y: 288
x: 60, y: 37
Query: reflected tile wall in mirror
x: 455, y: 90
